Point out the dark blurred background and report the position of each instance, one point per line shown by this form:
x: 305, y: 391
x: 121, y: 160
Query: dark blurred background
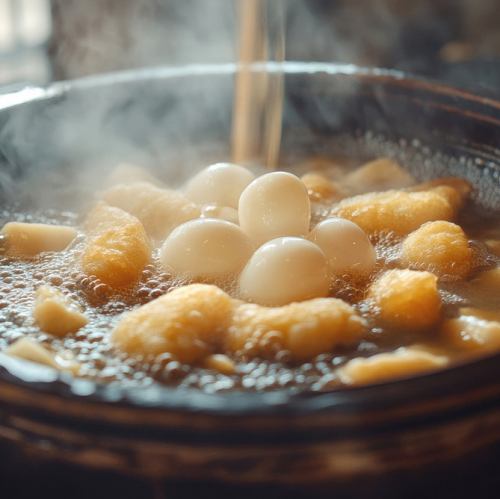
x: 457, y: 41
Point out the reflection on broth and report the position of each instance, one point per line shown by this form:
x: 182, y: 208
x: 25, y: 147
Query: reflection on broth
x: 332, y: 279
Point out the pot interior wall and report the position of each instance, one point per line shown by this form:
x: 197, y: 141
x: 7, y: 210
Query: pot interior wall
x: 176, y: 124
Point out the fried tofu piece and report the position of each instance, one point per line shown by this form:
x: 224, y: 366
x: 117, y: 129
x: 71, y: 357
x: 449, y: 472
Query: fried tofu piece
x: 333, y: 168
x: 379, y: 175
x: 473, y: 330
x: 189, y: 323
x: 406, y: 299
x: 399, y: 212
x: 31, y: 239
x: 455, y: 189
x: 220, y: 363
x: 30, y: 350
x: 320, y: 188
x: 439, y: 247
x: 55, y: 313
x: 403, y: 362
x: 304, y: 329
x: 117, y: 249
x: 160, y: 210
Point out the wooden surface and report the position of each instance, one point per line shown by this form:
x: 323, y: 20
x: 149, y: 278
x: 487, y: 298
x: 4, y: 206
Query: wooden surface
x: 22, y: 478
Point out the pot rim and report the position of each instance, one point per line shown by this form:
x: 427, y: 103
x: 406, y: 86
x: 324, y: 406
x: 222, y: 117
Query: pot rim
x: 35, y: 92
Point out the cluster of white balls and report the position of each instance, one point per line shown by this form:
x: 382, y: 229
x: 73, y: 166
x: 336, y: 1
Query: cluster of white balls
x: 259, y: 229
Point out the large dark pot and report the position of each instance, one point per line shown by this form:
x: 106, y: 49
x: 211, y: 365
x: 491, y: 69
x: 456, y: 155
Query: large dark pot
x: 177, y: 118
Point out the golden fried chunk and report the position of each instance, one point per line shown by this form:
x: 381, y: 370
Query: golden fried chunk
x: 320, y: 188
x: 324, y: 165
x: 188, y: 323
x: 55, y: 313
x: 407, y: 299
x: 378, y: 175
x: 304, y: 329
x: 160, y: 210
x: 455, y: 189
x: 28, y: 349
x: 401, y: 363
x: 439, y: 247
x: 474, y: 330
x: 117, y: 249
x: 400, y: 212
x: 29, y: 239
x: 220, y: 363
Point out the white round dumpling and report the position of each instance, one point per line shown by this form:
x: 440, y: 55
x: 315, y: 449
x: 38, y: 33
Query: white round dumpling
x: 275, y: 205
x: 220, y: 184
x: 220, y: 212
x: 285, y: 270
x: 206, y: 248
x: 346, y: 246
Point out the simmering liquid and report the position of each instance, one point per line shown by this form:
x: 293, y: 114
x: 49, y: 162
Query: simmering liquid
x: 471, y: 297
